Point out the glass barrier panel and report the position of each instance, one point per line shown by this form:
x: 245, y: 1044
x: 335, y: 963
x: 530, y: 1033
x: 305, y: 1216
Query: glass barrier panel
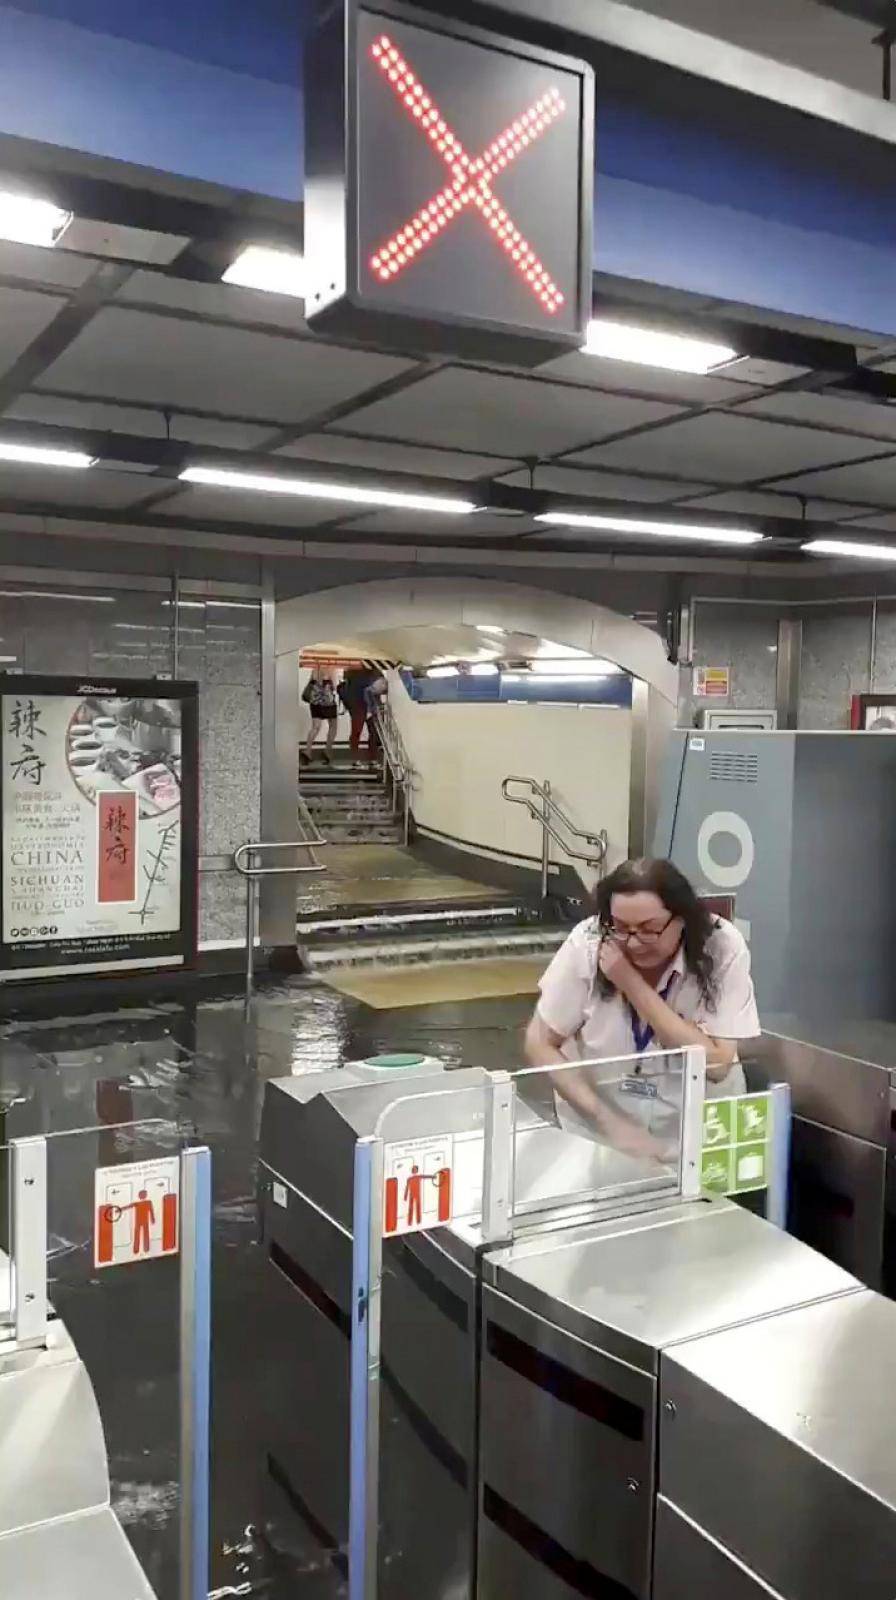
x: 594, y: 1131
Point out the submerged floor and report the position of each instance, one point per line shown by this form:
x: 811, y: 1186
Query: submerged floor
x: 192, y: 1064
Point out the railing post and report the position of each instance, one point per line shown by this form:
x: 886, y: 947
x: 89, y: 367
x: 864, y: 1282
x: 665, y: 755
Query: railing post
x: 251, y: 919
x: 546, y: 841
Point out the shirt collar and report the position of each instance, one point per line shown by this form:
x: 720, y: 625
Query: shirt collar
x: 675, y: 969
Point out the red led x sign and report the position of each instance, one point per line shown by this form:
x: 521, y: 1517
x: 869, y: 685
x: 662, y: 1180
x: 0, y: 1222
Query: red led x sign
x: 471, y: 179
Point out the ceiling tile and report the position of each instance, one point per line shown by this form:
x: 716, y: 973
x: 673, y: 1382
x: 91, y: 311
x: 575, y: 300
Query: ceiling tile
x: 234, y: 505
x: 66, y: 413
x: 343, y: 451
x: 678, y: 388
x: 54, y: 267
x: 864, y: 417
x: 449, y: 529
x: 226, y: 302
x: 872, y: 482
x: 727, y: 448
x: 23, y: 316
x: 882, y: 521
x: 602, y: 485
x: 44, y: 486
x: 764, y: 503
x: 155, y: 360
x: 507, y: 415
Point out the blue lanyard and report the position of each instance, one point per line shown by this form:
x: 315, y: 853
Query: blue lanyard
x: 642, y: 1032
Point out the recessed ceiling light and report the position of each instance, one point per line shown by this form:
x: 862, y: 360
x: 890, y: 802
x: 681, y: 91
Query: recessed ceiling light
x: 491, y: 627
x: 484, y: 669
x: 311, y: 490
x: 647, y: 347
x: 24, y: 220
x: 441, y: 672
x: 30, y: 455
x: 846, y: 547
x: 654, y: 530
x: 590, y: 667
x: 275, y: 271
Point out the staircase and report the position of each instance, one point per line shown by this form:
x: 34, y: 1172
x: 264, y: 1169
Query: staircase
x: 350, y: 803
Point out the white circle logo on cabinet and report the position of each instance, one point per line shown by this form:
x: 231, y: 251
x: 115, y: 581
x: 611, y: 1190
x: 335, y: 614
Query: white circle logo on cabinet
x: 730, y: 877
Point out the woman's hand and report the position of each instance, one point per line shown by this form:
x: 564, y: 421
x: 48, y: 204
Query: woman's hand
x: 615, y: 965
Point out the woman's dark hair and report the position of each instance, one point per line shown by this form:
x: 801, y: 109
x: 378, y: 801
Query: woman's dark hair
x: 672, y: 887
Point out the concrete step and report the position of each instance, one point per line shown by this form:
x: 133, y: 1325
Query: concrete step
x: 363, y: 831
x: 463, y: 946
x: 336, y: 801
x: 336, y: 925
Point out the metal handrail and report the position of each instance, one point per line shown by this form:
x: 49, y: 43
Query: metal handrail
x: 243, y: 854
x: 395, y: 760
x: 545, y: 814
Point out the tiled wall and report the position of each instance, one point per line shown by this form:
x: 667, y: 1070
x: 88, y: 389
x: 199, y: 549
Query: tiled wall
x: 835, y: 662
x: 745, y: 640
x: 100, y: 630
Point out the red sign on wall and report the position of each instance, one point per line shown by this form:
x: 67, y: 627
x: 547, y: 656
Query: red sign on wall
x: 116, y: 848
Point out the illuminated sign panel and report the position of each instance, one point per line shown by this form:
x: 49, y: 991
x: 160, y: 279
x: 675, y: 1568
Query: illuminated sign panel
x: 448, y: 188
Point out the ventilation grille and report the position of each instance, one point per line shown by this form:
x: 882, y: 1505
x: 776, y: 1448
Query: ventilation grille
x: 733, y: 766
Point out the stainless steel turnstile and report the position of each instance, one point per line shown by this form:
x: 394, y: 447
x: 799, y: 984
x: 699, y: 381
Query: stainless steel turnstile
x: 561, y: 1414
x: 842, y: 1080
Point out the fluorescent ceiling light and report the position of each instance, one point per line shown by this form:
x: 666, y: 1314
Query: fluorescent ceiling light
x: 441, y: 672
x: 647, y: 347
x: 34, y: 456
x: 309, y: 490
x: 484, y: 669
x: 846, y: 547
x: 276, y: 271
x: 25, y: 220
x: 590, y: 667
x: 50, y: 594
x: 490, y: 627
x: 658, y: 530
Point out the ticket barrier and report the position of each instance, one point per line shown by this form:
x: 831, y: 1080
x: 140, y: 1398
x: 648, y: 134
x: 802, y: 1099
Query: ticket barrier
x: 616, y: 1400
x: 843, y: 1146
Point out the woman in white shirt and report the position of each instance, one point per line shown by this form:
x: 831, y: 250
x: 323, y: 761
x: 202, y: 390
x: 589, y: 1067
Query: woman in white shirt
x: 652, y: 970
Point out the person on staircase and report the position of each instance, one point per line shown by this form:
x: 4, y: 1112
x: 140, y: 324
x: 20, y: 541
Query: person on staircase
x: 319, y: 695
x: 353, y: 694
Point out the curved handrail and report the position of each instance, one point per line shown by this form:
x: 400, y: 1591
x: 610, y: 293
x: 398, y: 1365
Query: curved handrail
x: 550, y: 808
x: 277, y: 844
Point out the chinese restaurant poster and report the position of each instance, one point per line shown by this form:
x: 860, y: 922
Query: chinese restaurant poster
x: 99, y: 825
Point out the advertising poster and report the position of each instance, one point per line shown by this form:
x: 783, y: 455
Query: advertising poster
x: 99, y: 825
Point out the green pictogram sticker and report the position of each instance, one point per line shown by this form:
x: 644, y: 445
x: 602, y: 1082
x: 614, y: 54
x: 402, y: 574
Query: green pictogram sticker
x: 736, y: 1143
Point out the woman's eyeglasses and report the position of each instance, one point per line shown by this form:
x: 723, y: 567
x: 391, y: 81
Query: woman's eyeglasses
x: 646, y: 933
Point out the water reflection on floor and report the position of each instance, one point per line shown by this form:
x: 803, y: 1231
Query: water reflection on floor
x: 383, y: 874
x: 195, y: 1066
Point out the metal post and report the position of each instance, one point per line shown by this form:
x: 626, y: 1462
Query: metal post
x: 364, y: 1414
x: 251, y: 921
x: 872, y: 646
x: 195, y: 1368
x: 787, y: 686
x: 407, y: 808
x: 28, y: 1185
x: 545, y: 840
x: 692, y: 1095
x: 497, y: 1181
x: 779, y: 1156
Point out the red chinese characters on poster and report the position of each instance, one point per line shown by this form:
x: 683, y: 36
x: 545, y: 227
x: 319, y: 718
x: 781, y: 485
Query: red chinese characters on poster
x: 117, y: 849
